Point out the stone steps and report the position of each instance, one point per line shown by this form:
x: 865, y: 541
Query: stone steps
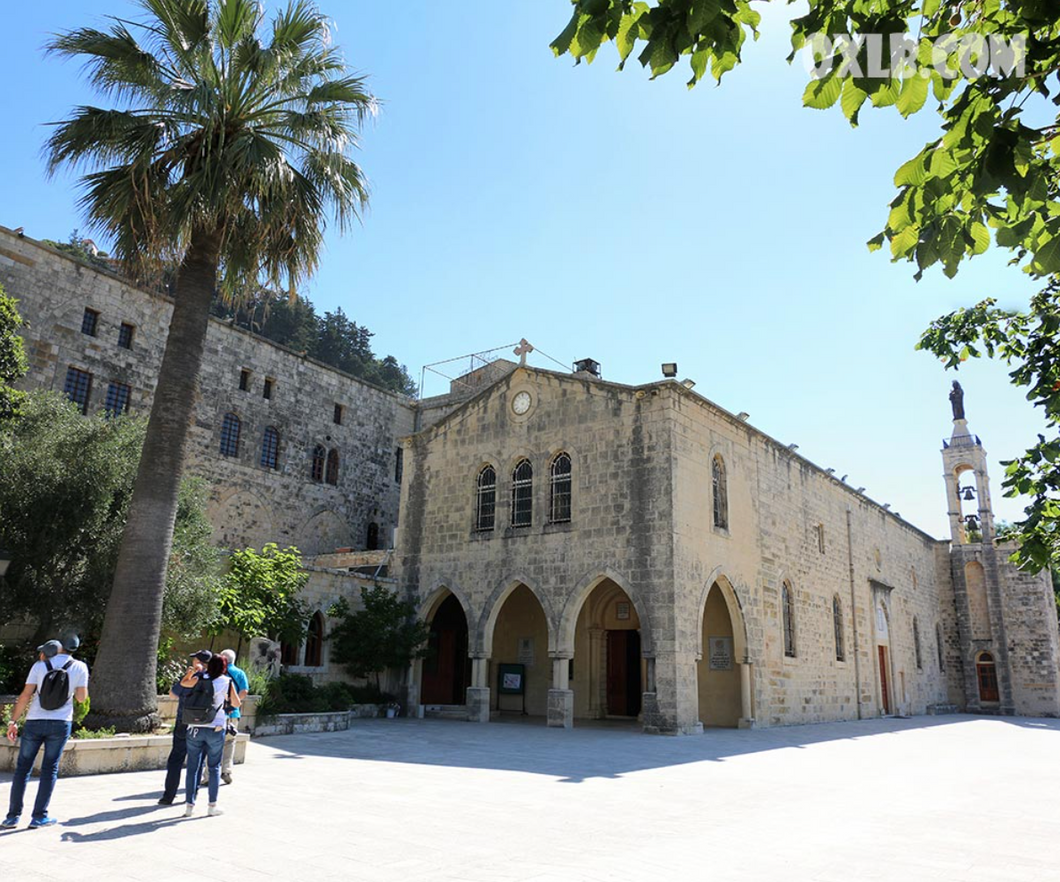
x: 446, y: 711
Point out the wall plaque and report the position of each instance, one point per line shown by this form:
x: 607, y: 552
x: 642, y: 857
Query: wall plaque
x: 720, y: 649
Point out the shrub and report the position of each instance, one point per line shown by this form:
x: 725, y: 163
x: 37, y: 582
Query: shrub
x: 296, y: 694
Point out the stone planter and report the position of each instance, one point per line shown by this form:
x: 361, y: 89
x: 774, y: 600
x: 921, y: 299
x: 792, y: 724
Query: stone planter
x: 297, y: 724
x: 359, y: 711
x: 97, y: 756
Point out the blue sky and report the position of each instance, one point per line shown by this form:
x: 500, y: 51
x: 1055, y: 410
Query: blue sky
x: 600, y: 214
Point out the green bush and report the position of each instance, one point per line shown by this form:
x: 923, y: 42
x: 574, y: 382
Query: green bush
x: 296, y: 694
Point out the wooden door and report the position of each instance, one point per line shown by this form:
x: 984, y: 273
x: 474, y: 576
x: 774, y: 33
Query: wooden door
x: 623, y: 673
x: 986, y: 671
x: 884, y: 690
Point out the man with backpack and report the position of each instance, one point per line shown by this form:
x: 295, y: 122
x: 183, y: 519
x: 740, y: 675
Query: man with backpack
x: 179, y: 752
x: 51, y: 687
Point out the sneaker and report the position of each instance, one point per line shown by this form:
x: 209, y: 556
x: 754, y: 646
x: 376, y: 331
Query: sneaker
x: 166, y: 800
x: 213, y: 811
x: 226, y: 777
x: 189, y: 810
x: 41, y: 822
x: 10, y: 822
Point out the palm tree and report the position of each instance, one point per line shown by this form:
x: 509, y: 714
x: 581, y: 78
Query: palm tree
x: 227, y: 154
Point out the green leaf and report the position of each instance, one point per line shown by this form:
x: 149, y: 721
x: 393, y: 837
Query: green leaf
x: 913, y: 95
x: 911, y: 173
x: 876, y: 242
x: 700, y: 13
x: 904, y: 241
x: 853, y: 96
x: 823, y: 93
x: 1047, y: 258
x: 980, y: 236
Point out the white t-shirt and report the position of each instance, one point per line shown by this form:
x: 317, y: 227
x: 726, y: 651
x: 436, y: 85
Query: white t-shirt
x: 220, y: 692
x: 78, y: 674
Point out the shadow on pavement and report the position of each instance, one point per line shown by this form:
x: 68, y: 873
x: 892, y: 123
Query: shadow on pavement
x: 585, y: 752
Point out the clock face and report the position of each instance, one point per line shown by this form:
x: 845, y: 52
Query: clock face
x: 521, y: 403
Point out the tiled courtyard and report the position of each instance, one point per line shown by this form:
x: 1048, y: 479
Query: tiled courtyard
x: 947, y: 798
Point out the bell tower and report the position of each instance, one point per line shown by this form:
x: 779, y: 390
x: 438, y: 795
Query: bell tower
x: 967, y: 482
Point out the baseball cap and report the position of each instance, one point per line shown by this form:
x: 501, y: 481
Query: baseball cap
x: 50, y: 649
x: 71, y: 642
x: 203, y: 655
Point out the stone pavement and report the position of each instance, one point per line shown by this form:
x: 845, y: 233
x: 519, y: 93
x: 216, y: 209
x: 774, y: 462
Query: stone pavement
x: 960, y: 798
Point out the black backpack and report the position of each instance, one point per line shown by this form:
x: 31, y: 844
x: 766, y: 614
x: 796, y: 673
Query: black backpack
x: 199, y: 708
x: 54, y: 690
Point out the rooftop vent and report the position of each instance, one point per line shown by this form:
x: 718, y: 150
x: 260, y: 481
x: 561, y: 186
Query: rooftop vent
x: 588, y: 366
x: 669, y: 369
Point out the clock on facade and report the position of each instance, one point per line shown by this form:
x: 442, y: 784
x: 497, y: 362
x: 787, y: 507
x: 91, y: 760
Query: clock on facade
x: 521, y: 403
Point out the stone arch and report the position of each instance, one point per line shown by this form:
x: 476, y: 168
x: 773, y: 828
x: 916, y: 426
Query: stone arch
x: 445, y: 673
x: 241, y: 518
x: 323, y: 532
x: 438, y: 591
x: 732, y: 601
x: 569, y: 617
x: 492, y: 608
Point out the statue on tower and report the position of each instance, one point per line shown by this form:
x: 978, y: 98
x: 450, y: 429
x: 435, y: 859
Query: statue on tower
x: 957, y: 401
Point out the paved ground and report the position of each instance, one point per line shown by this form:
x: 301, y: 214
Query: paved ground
x: 961, y: 799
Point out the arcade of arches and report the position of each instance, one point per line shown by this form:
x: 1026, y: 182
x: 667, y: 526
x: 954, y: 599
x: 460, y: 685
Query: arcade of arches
x: 593, y: 662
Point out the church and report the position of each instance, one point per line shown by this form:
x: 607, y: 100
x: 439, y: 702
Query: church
x: 581, y: 549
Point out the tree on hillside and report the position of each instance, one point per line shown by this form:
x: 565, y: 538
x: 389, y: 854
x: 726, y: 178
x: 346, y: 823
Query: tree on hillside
x: 993, y: 70
x: 228, y: 150
x: 13, y: 365
x: 65, y: 485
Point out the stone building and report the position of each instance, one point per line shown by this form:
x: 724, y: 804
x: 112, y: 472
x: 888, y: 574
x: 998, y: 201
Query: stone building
x: 581, y: 549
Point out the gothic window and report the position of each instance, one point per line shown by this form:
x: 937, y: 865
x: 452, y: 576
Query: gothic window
x: 244, y: 380
x: 117, y: 401
x: 125, y: 335
x: 78, y: 387
x: 230, y: 435
x: 560, y: 490
x: 270, y: 449
x: 317, y: 469
x: 837, y: 624
x: 89, y: 322
x: 314, y: 642
x: 916, y: 644
x: 938, y: 646
x: 372, y: 539
x: 522, y: 494
x: 721, y: 494
x: 486, y: 499
x: 787, y: 606
x: 288, y: 653
x: 331, y: 475
x: 986, y: 675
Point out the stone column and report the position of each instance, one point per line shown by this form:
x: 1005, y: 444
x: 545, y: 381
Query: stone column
x: 561, y: 696
x: 413, y: 708
x: 597, y: 673
x: 747, y: 711
x: 478, y: 693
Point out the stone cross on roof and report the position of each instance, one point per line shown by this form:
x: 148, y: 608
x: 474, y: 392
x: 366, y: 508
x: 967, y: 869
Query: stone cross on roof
x: 522, y: 350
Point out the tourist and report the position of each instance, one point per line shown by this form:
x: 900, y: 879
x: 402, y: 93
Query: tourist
x: 206, y: 738
x: 177, y: 754
x: 53, y: 683
x: 239, y: 680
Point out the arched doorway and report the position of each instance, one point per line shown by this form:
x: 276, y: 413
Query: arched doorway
x: 446, y: 668
x: 885, y: 681
x: 519, y: 644
x: 718, y: 674
x: 608, y: 670
x: 986, y: 677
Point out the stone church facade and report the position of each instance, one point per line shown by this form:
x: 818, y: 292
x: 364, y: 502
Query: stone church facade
x: 581, y: 549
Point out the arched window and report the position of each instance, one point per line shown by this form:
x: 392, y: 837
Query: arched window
x: 288, y: 653
x: 317, y: 469
x: 938, y: 646
x: 559, y: 490
x: 314, y: 642
x: 522, y: 494
x: 916, y: 644
x: 372, y: 539
x: 332, y: 474
x: 721, y: 494
x: 486, y: 500
x: 837, y: 624
x: 270, y: 449
x: 787, y: 604
x: 230, y: 435
x: 986, y: 674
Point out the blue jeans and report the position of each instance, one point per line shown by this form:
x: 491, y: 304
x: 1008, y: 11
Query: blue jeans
x: 175, y: 763
x: 203, y: 744
x: 52, y: 735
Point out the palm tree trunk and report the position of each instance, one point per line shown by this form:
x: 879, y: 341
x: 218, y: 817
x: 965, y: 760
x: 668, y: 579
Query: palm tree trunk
x: 123, y: 683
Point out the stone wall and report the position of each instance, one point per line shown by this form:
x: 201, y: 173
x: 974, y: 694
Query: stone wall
x: 249, y: 504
